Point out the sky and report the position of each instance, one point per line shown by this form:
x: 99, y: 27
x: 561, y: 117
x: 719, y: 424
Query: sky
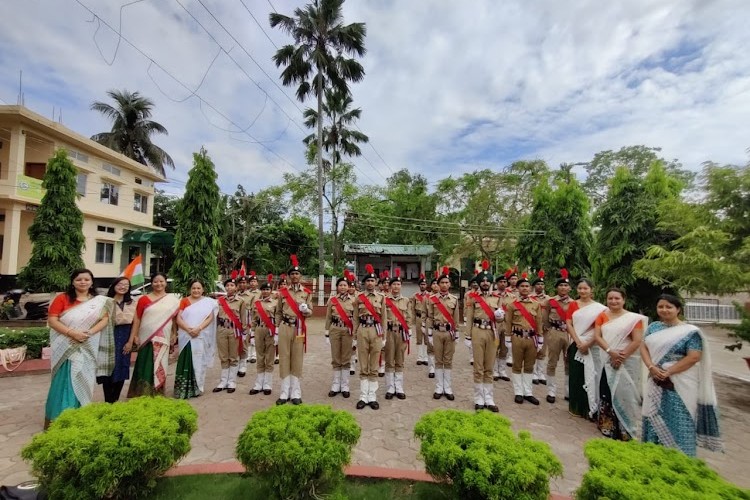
x: 450, y: 87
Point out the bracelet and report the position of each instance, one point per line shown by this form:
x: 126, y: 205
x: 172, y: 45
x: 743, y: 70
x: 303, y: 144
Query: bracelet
x: 608, y: 349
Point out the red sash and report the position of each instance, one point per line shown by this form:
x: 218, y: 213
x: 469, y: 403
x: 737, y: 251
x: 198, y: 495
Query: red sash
x: 368, y: 305
x: 301, y: 326
x: 526, y: 315
x: 479, y: 299
x: 232, y: 316
x: 441, y: 307
x: 342, y: 314
x: 402, y: 321
x: 265, y: 317
x: 560, y: 311
x: 419, y: 297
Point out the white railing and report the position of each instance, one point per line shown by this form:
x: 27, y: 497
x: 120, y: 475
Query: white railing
x: 710, y: 311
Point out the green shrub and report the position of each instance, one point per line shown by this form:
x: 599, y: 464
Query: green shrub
x: 646, y: 471
x: 483, y: 458
x: 34, y: 338
x: 296, y: 449
x: 111, y: 450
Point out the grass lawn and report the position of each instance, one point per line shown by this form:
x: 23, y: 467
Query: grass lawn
x: 236, y: 486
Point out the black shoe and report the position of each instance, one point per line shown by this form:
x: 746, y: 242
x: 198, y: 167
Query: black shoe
x: 450, y: 397
x: 551, y: 399
x: 253, y: 360
x: 532, y: 400
x: 381, y: 374
x: 507, y: 379
x: 493, y: 408
x: 389, y: 395
x: 400, y: 395
x: 231, y: 390
x: 298, y: 401
x: 535, y: 381
x: 508, y: 364
x: 276, y: 361
x: 567, y: 398
x: 495, y: 378
x: 332, y: 394
x: 361, y: 404
x: 431, y: 375
x: 281, y: 401
x: 478, y: 407
x: 374, y: 405
x: 253, y: 392
x: 346, y: 394
x: 471, y: 363
x: 267, y: 392
x: 518, y: 399
x: 218, y: 389
x: 437, y: 396
x: 351, y: 372
x: 542, y: 381
x: 241, y: 374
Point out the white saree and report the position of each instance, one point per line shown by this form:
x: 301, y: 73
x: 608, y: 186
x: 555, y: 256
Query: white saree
x: 583, y: 323
x: 203, y: 346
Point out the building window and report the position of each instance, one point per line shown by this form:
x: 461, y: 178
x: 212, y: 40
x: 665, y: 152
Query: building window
x: 138, y: 180
x: 105, y: 252
x: 110, y: 193
x: 76, y: 155
x: 140, y: 203
x: 106, y: 229
x: 35, y: 170
x: 81, y: 184
x: 111, y: 169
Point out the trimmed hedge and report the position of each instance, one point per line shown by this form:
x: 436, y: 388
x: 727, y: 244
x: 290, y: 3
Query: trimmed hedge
x: 34, y: 338
x: 296, y: 449
x: 646, y: 471
x: 483, y: 458
x: 111, y: 450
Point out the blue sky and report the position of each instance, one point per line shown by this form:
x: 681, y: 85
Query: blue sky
x: 449, y: 88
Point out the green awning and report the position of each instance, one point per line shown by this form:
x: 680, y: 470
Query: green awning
x: 156, y: 238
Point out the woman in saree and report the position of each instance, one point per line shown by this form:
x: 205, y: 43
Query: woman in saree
x: 82, y: 344
x: 619, y: 333
x: 196, y: 335
x: 679, y: 402
x: 152, y: 334
x: 582, y: 390
x: 124, y: 309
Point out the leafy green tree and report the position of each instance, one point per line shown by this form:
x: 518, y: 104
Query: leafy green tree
x: 165, y: 210
x: 628, y: 227
x: 279, y: 240
x: 132, y: 129
x: 562, y: 213
x: 57, y: 231
x: 197, y: 244
x: 321, y: 46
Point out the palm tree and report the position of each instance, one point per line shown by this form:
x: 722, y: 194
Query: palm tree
x: 321, y: 44
x: 337, y: 139
x: 132, y: 129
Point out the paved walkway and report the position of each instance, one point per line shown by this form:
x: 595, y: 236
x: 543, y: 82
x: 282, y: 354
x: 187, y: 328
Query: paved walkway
x: 387, y: 439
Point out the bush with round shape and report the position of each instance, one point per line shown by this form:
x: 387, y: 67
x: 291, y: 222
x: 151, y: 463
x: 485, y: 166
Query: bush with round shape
x: 481, y: 456
x: 111, y: 450
x: 646, y: 471
x: 297, y: 449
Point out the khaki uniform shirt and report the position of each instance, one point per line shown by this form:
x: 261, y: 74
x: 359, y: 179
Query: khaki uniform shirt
x: 269, y: 305
x: 515, y: 320
x: 239, y: 307
x: 419, y: 306
x: 435, y: 318
x: 551, y: 318
x: 377, y: 300
x: 332, y: 313
x: 300, y: 295
x: 404, y: 305
x: 474, y: 311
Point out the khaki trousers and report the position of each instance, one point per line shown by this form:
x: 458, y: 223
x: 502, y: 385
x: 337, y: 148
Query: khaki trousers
x: 524, y: 354
x: 484, y: 347
x: 444, y: 346
x: 395, y: 349
x: 291, y: 351
x: 341, y: 347
x: 556, y: 342
x: 264, y: 349
x: 369, y: 346
x: 227, y: 347
x: 420, y: 332
x: 502, y: 348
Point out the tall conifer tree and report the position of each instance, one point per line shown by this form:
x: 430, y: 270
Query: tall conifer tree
x: 57, y: 231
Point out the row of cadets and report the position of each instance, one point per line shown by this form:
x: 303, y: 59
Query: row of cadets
x: 398, y: 334
x: 442, y: 333
x: 484, y: 316
x: 370, y: 317
x: 229, y: 334
x: 339, y: 333
x: 419, y: 306
x: 294, y: 307
x: 262, y: 312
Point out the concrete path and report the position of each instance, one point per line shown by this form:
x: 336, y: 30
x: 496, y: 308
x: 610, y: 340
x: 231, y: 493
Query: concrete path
x: 387, y: 434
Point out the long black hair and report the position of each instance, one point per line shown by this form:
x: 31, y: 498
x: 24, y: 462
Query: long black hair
x: 71, y: 291
x: 126, y: 297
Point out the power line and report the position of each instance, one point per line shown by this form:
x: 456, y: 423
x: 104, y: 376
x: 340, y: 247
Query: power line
x: 259, y: 25
x: 458, y: 225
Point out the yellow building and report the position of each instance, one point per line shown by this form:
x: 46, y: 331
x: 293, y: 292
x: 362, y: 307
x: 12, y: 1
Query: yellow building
x: 116, y: 195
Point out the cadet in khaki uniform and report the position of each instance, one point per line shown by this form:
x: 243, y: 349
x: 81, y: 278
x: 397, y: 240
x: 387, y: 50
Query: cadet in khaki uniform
x: 483, y: 313
x: 398, y: 337
x: 369, y: 329
x: 229, y: 328
x: 445, y: 332
x: 265, y: 335
x: 248, y: 295
x: 353, y: 290
x: 540, y: 296
x: 339, y: 331
x: 473, y: 290
x: 503, y: 352
x: 434, y: 289
x: 292, y: 334
x: 556, y: 338
x: 419, y: 306
x: 526, y: 333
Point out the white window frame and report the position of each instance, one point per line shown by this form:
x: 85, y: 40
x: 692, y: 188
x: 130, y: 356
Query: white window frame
x: 109, y: 186
x: 107, y: 252
x: 140, y: 203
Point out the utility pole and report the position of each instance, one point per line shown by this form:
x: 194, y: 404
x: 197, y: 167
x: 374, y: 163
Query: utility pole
x: 321, y: 256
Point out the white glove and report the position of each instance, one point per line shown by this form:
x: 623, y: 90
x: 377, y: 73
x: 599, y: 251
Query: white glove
x: 275, y: 340
x: 328, y: 340
x: 252, y: 341
x: 467, y: 342
x: 499, y: 314
x: 303, y: 308
x: 456, y: 339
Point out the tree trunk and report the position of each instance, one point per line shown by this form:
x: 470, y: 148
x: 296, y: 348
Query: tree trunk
x: 334, y: 213
x: 321, y: 253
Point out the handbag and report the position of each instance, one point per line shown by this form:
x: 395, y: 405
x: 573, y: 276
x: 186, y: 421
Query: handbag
x: 11, y: 358
x: 28, y: 490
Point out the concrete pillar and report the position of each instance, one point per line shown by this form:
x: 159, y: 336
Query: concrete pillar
x: 11, y: 237
x: 16, y: 152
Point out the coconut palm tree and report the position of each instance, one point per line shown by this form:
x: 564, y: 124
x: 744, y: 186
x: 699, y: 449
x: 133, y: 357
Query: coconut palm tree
x: 319, y: 60
x: 131, y: 129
